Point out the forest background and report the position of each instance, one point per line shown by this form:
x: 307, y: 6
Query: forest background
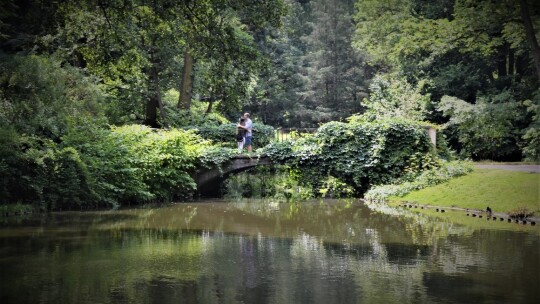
x: 79, y: 79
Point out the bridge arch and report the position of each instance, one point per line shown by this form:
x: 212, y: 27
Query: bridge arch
x: 209, y: 181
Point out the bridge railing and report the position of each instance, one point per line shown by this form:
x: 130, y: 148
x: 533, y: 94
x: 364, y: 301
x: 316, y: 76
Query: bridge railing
x: 283, y: 134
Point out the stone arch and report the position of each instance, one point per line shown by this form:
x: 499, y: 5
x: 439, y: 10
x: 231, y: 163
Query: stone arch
x: 209, y: 181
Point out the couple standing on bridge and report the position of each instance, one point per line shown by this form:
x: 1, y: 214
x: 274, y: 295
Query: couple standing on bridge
x: 244, y: 133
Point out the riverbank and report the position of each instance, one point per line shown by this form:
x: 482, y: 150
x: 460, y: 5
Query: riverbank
x: 507, y: 193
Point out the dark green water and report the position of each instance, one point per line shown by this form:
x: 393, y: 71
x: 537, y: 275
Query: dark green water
x: 261, y: 252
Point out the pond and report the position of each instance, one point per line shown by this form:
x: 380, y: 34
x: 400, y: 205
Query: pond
x: 324, y: 251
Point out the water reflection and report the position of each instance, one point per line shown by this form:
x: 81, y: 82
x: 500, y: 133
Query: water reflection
x: 262, y: 252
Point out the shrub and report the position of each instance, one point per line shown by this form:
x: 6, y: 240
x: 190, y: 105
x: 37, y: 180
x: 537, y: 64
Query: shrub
x: 485, y: 130
x: 134, y: 164
x: 96, y: 166
x: 165, y: 159
x: 531, y: 148
x: 392, y: 96
x: 117, y: 179
x: 15, y: 209
x: 38, y: 172
x: 68, y: 181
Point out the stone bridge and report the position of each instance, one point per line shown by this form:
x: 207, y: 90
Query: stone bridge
x: 209, y: 181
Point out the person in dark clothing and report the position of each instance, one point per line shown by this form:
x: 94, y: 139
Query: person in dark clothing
x: 241, y: 134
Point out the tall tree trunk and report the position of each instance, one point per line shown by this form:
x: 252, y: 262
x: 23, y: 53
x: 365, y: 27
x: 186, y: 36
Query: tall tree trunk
x: 501, y: 61
x: 209, y: 108
x: 152, y: 105
x: 186, y: 86
x: 531, y: 38
x: 154, y: 99
x: 160, y: 102
x: 210, y: 104
x: 522, y: 64
x: 511, y: 61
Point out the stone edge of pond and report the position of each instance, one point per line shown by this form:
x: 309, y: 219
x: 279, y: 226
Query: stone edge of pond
x: 473, y: 212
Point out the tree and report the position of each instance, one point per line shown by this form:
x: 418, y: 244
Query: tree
x: 274, y: 95
x: 485, y: 130
x: 314, y: 74
x: 407, y: 34
x: 479, y: 52
x: 221, y: 30
x: 129, y: 46
x: 531, y: 35
x: 140, y: 48
x: 333, y: 71
x: 392, y: 96
x: 40, y: 97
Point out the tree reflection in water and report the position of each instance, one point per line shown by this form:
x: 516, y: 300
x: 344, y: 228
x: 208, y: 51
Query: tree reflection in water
x: 261, y: 252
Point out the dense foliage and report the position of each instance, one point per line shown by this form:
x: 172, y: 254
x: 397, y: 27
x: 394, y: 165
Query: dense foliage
x: 359, y: 153
x: 314, y: 75
x: 483, y: 53
x: 531, y: 138
x: 40, y: 172
x: 133, y: 164
x: 97, y: 166
x: 486, y: 130
x: 70, y: 69
x: 39, y: 96
x: 140, y: 49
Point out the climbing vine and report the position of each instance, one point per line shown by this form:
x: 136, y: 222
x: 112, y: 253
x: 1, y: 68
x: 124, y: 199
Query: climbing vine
x: 359, y: 153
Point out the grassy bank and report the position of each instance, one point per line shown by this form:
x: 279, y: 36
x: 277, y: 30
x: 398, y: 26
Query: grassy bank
x: 503, y: 191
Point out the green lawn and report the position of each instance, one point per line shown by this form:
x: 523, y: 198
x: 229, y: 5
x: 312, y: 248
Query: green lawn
x: 501, y: 190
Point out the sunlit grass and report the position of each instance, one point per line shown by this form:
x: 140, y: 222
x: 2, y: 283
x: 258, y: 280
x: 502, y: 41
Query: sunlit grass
x: 502, y: 191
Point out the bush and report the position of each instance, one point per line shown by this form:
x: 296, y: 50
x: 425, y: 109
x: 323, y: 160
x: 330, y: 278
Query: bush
x: 38, y: 172
x: 134, y: 164
x: 68, y: 184
x: 392, y: 96
x: 15, y: 209
x: 117, y: 178
x: 196, y: 116
x: 485, y: 130
x: 165, y: 159
x: 531, y: 148
x: 96, y: 166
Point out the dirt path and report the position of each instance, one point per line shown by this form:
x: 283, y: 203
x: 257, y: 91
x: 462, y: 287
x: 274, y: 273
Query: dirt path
x: 522, y: 168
